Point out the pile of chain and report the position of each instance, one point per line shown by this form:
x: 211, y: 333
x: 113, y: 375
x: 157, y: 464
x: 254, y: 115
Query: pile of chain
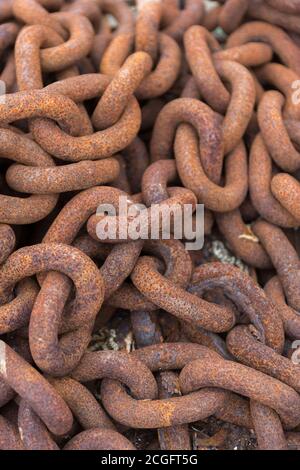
x: 166, y: 103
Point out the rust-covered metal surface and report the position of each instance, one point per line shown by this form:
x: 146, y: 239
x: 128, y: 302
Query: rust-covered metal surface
x: 129, y: 343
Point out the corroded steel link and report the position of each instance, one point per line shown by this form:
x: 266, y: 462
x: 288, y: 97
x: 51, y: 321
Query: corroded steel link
x: 293, y: 440
x: 79, y: 44
x: 101, y: 144
x: 175, y: 356
x: 243, y: 343
x: 124, y: 84
x: 32, y: 12
x: 282, y: 78
x: 74, y: 71
x: 232, y: 14
x: 236, y: 411
x: 217, y: 296
x: 179, y: 197
x: 122, y: 182
x: 161, y: 79
x: 245, y: 381
x: 193, y: 175
x: 208, y: 222
x: 129, y: 298
x: 16, y: 313
x: 82, y: 403
x: 147, y: 26
x: 35, y: 389
x: 240, y: 110
x: 57, y: 358
x: 246, y: 295
x: 73, y: 177
x: 190, y: 89
x: 259, y: 94
x: 268, y: 427
x: 146, y: 328
x: 192, y: 13
x: 100, y: 43
x: 276, y: 137
x: 137, y: 160
x: 8, y: 35
x: 211, y: 18
x: 171, y: 356
x: 251, y: 54
x: 241, y: 241
x: 170, y: 297
x: 116, y: 53
x: 51, y: 5
x: 293, y: 130
x: 86, y: 8
x: 280, y: 42
x: 174, y: 437
x: 261, y: 11
x: 112, y: 339
x: 170, y: 327
x: 170, y: 11
x: 6, y: 393
x: 199, y: 46
x: 260, y: 178
x: 7, y: 241
x: 83, y: 67
x: 90, y: 293
x: 178, y: 271
x: 284, y: 258
x: 122, y: 13
x: 8, y: 74
x: 20, y: 344
x: 6, y: 10
x: 16, y: 210
x: 19, y: 211
x: 37, y: 103
x: 80, y: 88
x: 65, y: 228
x: 204, y: 120
x: 91, y: 247
x: 99, y: 439
x: 286, y: 6
x: 118, y: 265
x: 290, y: 317
x: 176, y: 258
x: 9, y: 436
x: 286, y: 189
x: 76, y: 212
x: 206, y: 338
x: 118, y: 260
x: 155, y: 180
x: 27, y: 54
x: 241, y: 105
x: 117, y: 365
x: 295, y: 37
x: 152, y: 414
x: 33, y: 433
x: 154, y: 186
